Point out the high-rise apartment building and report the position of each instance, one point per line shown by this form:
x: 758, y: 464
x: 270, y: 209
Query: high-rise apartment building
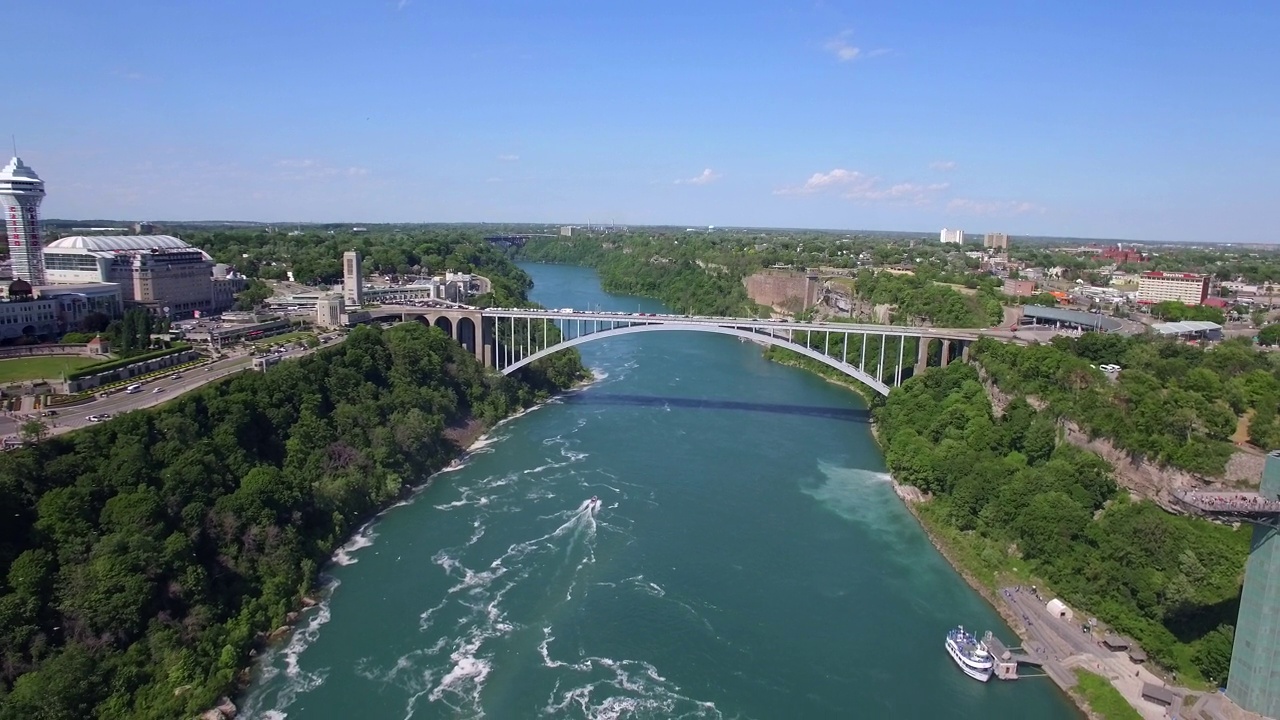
x: 952, y: 237
x: 995, y: 241
x: 21, y: 191
x: 1187, y: 288
x: 352, y: 279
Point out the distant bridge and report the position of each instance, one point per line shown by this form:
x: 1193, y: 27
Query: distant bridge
x: 879, y: 356
x: 516, y: 240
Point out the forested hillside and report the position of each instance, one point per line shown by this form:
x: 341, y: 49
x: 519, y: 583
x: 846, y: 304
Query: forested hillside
x: 140, y: 560
x: 1017, y: 501
x: 1173, y: 403
x: 698, y: 277
x: 924, y: 296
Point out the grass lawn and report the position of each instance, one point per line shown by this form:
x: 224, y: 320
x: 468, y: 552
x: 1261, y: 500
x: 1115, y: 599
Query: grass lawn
x: 50, y: 367
x: 1104, y: 699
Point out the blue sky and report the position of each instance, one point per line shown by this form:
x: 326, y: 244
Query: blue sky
x: 1143, y: 119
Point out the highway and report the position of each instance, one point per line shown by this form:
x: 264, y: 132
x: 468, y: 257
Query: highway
x: 154, y: 392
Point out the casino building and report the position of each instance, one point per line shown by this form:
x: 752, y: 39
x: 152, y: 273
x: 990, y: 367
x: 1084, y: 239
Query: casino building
x: 161, y: 273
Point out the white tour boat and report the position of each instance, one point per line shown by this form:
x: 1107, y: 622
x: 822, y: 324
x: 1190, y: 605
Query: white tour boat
x: 970, y: 654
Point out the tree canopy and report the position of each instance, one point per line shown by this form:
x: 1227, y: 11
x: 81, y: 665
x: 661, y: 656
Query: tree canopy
x: 1171, y: 582
x: 141, y: 559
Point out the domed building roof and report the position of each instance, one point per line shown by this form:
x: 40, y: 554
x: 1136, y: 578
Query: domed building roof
x: 118, y: 243
x: 110, y: 245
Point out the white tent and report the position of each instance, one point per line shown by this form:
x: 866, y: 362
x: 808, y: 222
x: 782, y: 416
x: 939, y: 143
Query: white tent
x: 1059, y: 609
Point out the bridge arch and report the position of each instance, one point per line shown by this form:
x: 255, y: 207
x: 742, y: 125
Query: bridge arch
x: 467, y: 334
x: 445, y: 324
x: 844, y: 367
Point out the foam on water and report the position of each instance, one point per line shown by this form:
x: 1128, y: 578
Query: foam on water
x: 296, y: 680
x: 363, y: 538
x: 614, y: 689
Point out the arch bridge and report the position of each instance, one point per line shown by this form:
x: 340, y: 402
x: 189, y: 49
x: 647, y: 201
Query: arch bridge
x: 879, y: 356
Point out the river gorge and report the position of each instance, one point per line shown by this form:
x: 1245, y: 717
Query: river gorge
x: 747, y: 559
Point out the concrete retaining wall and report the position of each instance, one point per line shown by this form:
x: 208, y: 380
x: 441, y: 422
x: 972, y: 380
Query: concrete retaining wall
x: 130, y: 371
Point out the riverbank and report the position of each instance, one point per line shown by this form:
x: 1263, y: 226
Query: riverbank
x: 467, y: 437
x: 914, y: 498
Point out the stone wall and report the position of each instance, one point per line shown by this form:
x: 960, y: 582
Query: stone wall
x: 130, y: 371
x: 31, y: 350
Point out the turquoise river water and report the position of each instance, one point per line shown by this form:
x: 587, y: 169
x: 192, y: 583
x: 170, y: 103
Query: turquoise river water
x: 749, y: 559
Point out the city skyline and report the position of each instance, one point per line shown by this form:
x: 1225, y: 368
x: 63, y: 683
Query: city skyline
x: 1144, y: 122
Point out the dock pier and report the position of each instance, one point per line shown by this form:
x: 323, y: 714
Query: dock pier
x: 1008, y: 659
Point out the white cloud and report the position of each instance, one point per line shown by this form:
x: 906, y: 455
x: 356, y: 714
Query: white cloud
x: 966, y: 206
x: 707, y: 176
x: 402, y: 4
x: 943, y: 165
x: 856, y: 185
x: 508, y: 158
x: 840, y: 47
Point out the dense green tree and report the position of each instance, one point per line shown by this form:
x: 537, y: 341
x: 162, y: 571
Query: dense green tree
x: 148, y: 553
x: 1169, y: 581
x: 1269, y: 335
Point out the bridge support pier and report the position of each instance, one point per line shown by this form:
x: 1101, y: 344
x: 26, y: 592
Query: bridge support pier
x: 964, y: 350
x: 922, y: 355
x: 946, y: 352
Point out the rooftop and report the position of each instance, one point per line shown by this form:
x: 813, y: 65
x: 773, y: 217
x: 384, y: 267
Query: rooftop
x: 118, y: 243
x: 108, y: 246
x: 1074, y: 317
x: 19, y: 178
x: 1185, y: 327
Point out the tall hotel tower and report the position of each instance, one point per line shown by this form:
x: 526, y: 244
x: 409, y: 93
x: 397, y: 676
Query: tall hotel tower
x: 21, y: 191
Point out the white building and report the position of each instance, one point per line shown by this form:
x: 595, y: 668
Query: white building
x: 329, y: 310
x: 1187, y: 288
x: 352, y: 279
x: 21, y: 191
x: 951, y: 237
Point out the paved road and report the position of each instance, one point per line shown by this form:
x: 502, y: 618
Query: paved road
x: 169, y: 387
x: 1062, y: 645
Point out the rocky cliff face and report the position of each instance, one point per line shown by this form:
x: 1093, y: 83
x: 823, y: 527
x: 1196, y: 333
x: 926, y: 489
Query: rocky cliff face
x: 1135, y: 473
x: 787, y: 290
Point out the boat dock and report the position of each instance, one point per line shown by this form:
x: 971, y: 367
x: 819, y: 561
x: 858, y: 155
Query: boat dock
x: 1008, y: 659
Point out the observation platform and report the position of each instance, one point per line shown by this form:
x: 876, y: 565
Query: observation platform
x: 1250, y: 507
